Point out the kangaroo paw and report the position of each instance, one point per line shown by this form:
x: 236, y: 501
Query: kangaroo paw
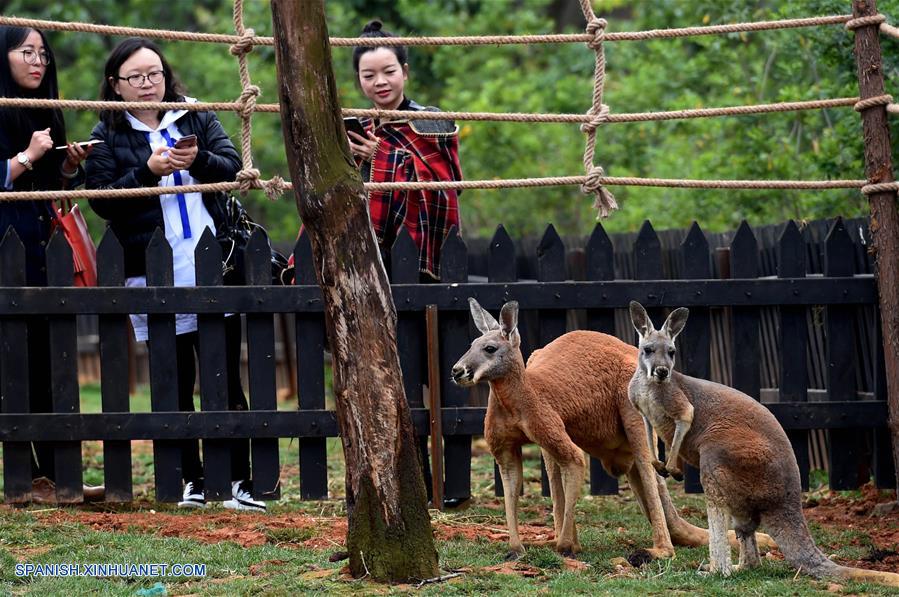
x: 660, y: 467
x: 513, y: 556
x: 676, y: 473
x: 639, y: 557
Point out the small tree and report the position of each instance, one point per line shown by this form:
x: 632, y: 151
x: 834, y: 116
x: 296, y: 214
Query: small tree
x: 389, y: 535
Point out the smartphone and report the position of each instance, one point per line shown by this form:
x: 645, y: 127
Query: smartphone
x: 351, y: 123
x: 186, y: 141
x: 83, y: 143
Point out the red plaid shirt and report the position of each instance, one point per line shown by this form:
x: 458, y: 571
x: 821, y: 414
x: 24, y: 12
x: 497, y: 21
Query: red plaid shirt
x: 415, y: 151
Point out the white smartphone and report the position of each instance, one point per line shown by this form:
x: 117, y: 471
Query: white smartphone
x: 83, y: 143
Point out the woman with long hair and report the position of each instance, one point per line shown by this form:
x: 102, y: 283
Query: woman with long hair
x: 29, y: 162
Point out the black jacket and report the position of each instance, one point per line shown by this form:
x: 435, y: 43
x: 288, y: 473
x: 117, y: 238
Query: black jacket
x: 33, y: 220
x: 121, y: 163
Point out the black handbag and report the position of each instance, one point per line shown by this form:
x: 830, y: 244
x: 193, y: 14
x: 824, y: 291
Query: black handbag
x: 233, y: 238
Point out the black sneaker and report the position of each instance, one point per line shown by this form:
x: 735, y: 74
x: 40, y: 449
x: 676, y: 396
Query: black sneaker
x: 193, y: 495
x: 452, y: 503
x: 243, y: 497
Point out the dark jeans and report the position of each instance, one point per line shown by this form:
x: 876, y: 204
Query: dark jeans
x: 43, y: 462
x: 186, y: 346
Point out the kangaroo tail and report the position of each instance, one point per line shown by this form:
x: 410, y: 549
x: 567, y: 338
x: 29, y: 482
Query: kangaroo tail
x: 788, y: 527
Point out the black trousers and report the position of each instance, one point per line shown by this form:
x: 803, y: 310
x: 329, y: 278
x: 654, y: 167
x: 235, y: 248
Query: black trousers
x: 43, y: 462
x: 187, y: 346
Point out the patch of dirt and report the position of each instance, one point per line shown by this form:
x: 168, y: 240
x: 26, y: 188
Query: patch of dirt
x: 880, y: 535
x: 247, y: 530
x: 842, y: 513
x: 530, y: 534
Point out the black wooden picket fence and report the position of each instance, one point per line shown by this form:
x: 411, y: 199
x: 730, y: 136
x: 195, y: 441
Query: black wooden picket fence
x: 737, y: 312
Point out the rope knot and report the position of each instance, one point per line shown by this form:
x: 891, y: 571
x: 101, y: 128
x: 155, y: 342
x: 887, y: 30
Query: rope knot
x: 605, y: 202
x: 877, y: 100
x: 597, y: 28
x: 247, y: 100
x: 880, y: 187
x: 274, y: 188
x: 853, y: 24
x: 245, y: 44
x: 596, y: 119
x: 248, y: 179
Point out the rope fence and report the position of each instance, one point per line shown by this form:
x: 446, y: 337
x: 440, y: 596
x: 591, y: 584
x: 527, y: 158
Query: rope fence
x: 277, y: 186
x: 460, y: 40
x: 98, y: 105
x: 595, y: 36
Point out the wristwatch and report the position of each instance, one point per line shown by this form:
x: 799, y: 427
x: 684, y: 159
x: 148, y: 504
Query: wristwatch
x: 24, y: 160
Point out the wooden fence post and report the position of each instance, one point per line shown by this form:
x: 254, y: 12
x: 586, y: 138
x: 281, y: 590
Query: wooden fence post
x: 552, y: 322
x: 793, y: 386
x: 13, y: 372
x: 116, y: 360
x: 501, y: 267
x: 696, y: 344
x: 884, y: 214
x: 600, y: 265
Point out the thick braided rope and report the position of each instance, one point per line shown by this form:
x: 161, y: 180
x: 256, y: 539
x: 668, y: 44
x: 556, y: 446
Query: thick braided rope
x: 434, y: 41
x: 249, y: 176
x: 279, y: 185
x: 880, y: 187
x: 853, y: 24
x: 605, y: 202
x: 870, y: 102
x: 96, y: 105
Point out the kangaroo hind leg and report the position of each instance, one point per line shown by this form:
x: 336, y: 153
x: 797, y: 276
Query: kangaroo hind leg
x: 749, y: 549
x: 719, y: 547
x: 510, y: 470
x: 556, y: 491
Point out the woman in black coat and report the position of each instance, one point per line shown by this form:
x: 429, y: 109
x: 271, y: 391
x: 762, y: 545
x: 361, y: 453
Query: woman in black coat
x: 28, y: 162
x: 142, y: 149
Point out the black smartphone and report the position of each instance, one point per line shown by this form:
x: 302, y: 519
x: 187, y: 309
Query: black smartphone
x: 351, y: 123
x: 186, y: 141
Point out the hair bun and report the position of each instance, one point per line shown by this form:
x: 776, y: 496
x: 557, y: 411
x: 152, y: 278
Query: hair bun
x: 373, y: 26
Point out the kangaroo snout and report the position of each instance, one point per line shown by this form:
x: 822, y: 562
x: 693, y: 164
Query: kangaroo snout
x: 661, y: 373
x: 462, y: 375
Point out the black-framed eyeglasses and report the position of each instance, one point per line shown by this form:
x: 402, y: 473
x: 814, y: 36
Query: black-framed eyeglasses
x: 33, y: 57
x: 155, y: 78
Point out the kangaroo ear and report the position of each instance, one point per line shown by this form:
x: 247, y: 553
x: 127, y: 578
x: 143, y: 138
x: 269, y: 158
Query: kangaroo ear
x: 640, y: 319
x: 676, y: 321
x: 483, y: 320
x: 508, y: 317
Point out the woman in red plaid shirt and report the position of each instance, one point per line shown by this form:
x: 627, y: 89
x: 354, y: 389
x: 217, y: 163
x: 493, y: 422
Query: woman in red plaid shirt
x: 404, y: 150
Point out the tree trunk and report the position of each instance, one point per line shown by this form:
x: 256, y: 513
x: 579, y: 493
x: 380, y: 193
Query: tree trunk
x: 389, y: 535
x: 884, y: 215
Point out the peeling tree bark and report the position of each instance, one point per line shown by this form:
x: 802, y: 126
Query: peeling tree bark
x: 389, y: 535
x: 884, y: 214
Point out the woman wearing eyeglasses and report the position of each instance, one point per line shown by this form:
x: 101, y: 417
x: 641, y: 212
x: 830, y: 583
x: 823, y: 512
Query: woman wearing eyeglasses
x: 28, y: 162
x: 141, y: 149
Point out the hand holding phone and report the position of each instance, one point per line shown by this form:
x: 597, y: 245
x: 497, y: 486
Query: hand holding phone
x: 354, y: 125
x: 186, y: 141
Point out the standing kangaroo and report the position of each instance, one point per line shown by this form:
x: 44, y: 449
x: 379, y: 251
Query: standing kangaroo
x: 745, y: 460
x: 571, y: 397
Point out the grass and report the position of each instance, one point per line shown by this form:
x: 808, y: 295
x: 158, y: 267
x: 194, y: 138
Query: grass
x: 609, y: 528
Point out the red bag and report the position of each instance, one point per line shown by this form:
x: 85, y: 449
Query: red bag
x: 84, y: 252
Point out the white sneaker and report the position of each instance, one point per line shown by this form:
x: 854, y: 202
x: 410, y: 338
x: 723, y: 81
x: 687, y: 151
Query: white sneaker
x: 193, y: 495
x: 243, y: 497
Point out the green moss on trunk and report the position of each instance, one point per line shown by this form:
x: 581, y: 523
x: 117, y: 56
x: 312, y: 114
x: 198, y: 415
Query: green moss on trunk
x: 387, y: 553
